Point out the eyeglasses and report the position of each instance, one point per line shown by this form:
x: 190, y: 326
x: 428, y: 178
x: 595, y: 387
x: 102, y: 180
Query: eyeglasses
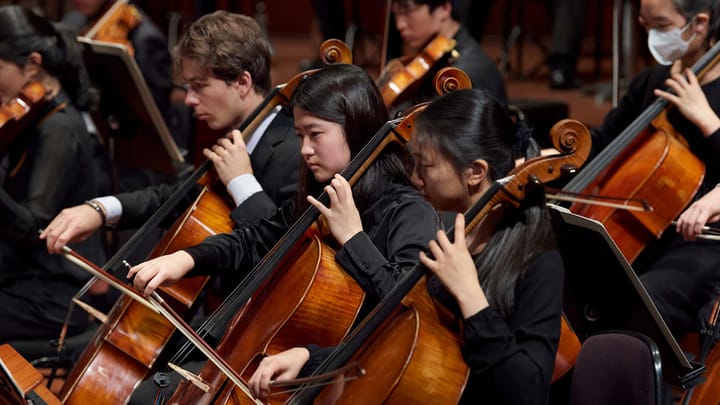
x: 404, y: 8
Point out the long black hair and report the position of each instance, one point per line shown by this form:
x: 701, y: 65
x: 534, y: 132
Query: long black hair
x: 466, y: 125
x: 23, y: 32
x: 346, y: 95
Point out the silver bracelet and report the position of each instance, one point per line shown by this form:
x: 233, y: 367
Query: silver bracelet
x: 97, y: 208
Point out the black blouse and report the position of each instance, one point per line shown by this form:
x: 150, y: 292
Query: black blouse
x: 397, y: 226
x: 511, y: 360
x: 49, y: 167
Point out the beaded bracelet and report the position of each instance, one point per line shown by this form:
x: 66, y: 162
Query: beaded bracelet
x: 96, y: 206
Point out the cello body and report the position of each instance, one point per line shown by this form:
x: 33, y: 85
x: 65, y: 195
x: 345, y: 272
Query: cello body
x: 414, y: 358
x: 659, y: 169
x: 309, y: 287
x: 126, y: 348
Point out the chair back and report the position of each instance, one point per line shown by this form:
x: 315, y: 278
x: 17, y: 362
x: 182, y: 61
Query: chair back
x: 619, y: 367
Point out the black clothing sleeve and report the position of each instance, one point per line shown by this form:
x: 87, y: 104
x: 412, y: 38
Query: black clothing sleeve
x: 141, y: 204
x: 511, y: 361
x: 397, y: 227
x: 243, y: 248
x: 379, y: 257
x: 275, y: 162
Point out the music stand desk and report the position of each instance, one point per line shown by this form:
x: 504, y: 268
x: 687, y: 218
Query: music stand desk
x: 603, y: 293
x: 126, y: 116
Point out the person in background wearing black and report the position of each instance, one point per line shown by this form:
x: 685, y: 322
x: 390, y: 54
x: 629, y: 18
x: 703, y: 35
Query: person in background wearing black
x: 50, y: 165
x: 417, y: 22
x: 149, y: 44
x: 680, y: 275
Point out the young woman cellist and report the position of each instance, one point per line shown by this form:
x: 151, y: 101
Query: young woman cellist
x: 48, y: 166
x: 508, y: 289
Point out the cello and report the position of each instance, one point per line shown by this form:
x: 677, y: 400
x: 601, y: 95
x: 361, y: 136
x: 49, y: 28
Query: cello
x: 407, y: 334
x: 650, y: 162
x: 128, y: 345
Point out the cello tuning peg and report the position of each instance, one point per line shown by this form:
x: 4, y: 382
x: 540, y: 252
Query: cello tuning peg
x: 568, y: 169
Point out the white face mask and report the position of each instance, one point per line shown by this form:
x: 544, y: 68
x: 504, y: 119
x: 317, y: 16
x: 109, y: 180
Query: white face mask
x: 668, y: 46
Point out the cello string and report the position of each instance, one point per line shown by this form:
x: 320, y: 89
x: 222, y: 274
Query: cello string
x: 157, y: 304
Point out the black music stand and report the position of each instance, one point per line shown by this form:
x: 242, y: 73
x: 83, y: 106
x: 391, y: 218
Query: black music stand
x: 125, y: 113
x: 602, y: 292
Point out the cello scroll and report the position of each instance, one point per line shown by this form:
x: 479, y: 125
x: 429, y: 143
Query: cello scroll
x: 334, y: 51
x: 450, y: 79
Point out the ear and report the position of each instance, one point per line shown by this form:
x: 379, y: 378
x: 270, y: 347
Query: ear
x: 244, y: 83
x: 701, y: 22
x: 476, y: 173
x: 34, y: 65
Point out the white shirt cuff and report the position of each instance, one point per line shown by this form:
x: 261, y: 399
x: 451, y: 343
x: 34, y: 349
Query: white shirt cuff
x: 243, y: 187
x: 113, y: 209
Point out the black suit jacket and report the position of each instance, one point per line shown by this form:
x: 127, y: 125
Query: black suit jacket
x: 275, y: 162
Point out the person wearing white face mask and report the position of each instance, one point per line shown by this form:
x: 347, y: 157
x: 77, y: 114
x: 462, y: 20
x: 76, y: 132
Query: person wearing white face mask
x: 668, y: 46
x: 679, y: 274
